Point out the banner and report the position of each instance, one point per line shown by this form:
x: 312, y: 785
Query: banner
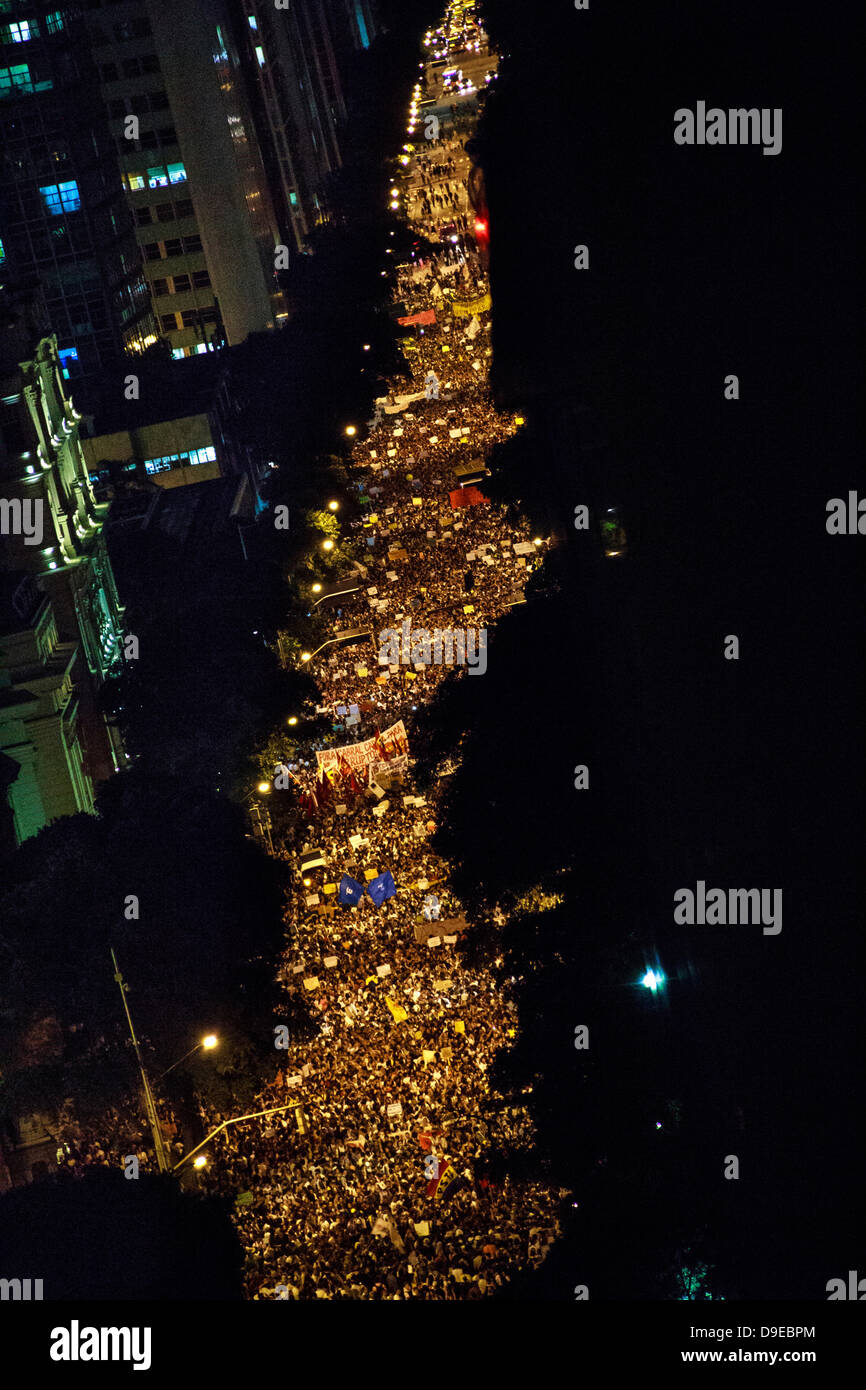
x: 398, y: 1013
x: 424, y: 317
x: 465, y: 308
x: 465, y: 497
x: 382, y: 888
x: 350, y: 892
x: 393, y: 742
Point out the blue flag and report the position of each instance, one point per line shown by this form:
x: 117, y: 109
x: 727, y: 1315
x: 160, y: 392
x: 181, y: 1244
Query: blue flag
x: 351, y: 891
x: 382, y: 887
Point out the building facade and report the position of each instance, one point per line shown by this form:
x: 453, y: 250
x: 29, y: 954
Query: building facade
x: 63, y: 215
x: 297, y: 56
x: 191, y: 169
x: 52, y: 524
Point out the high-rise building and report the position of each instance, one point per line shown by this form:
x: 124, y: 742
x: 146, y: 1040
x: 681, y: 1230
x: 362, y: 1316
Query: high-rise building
x: 52, y: 524
x: 298, y: 56
x: 178, y: 111
x: 63, y: 215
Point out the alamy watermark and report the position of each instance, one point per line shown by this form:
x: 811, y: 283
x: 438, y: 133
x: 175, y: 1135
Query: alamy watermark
x: 736, y: 126
x: 730, y: 907
x: 22, y: 518
x: 408, y: 646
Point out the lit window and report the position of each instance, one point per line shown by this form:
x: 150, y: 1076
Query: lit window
x: 54, y: 21
x: 135, y: 181
x: 260, y: 54
x: 21, y: 32
x: 176, y: 173
x: 12, y: 78
x: 157, y: 177
x: 61, y: 197
x: 254, y: 23
x: 2, y: 253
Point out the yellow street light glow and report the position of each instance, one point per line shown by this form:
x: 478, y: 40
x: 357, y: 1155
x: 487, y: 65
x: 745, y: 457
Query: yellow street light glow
x: 209, y: 1041
x: 537, y: 540
x: 351, y: 431
x: 305, y: 656
x: 199, y: 1162
x: 332, y: 506
x: 307, y: 882
x: 264, y: 787
x: 317, y: 589
x: 293, y: 718
x: 327, y: 545
x: 519, y: 420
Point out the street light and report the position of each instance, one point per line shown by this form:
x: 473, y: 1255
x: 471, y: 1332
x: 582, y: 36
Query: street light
x: 333, y: 506
x: 327, y: 545
x: 293, y: 719
x: 263, y: 787
x: 207, y: 1044
x: 149, y: 1103
x: 351, y: 431
x: 200, y: 1160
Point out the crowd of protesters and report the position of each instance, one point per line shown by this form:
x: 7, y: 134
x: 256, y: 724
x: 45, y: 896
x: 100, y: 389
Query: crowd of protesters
x: 375, y: 1185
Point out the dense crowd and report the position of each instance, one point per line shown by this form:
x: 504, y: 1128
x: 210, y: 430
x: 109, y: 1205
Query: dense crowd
x: 375, y: 1183
x: 339, y: 1196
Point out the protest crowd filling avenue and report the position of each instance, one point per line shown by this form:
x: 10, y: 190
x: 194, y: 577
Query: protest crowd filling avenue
x: 395, y: 1085
x: 372, y: 1188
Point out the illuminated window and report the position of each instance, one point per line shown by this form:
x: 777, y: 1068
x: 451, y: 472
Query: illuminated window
x: 54, y: 22
x: 260, y: 54
x: 2, y: 253
x: 134, y: 182
x: 12, y: 78
x: 254, y: 23
x: 20, y: 33
x: 157, y: 177
x: 61, y: 197
x: 66, y: 356
x: 176, y: 173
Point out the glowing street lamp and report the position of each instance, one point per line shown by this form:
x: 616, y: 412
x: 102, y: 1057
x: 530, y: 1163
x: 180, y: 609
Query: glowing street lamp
x: 351, y: 431
x: 263, y: 787
x: 208, y: 1042
x: 199, y: 1162
x: 333, y: 506
x: 305, y: 656
x: 293, y: 719
x: 317, y: 588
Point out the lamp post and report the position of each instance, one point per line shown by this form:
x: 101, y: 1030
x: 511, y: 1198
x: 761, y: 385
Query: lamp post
x: 149, y: 1105
x: 255, y: 1115
x: 207, y: 1042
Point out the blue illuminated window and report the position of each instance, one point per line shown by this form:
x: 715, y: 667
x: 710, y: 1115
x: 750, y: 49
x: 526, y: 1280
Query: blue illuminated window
x: 254, y: 23
x: 157, y: 177
x: 20, y: 32
x: 61, y: 197
x: 260, y: 54
x: 66, y: 356
x: 176, y: 173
